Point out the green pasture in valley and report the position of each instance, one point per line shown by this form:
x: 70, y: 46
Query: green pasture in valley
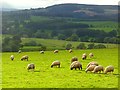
x: 15, y: 75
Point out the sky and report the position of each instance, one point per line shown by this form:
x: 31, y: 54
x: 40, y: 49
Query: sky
x: 27, y: 4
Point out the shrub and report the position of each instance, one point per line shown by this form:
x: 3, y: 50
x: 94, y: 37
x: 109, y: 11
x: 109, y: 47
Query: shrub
x: 99, y: 46
x: 91, y: 46
x: 81, y: 46
x: 68, y: 46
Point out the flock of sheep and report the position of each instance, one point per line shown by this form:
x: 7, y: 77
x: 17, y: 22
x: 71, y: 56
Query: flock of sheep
x: 91, y: 67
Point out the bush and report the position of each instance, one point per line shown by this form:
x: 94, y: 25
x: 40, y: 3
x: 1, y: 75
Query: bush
x: 91, y: 46
x: 99, y: 46
x: 81, y: 46
x: 68, y: 46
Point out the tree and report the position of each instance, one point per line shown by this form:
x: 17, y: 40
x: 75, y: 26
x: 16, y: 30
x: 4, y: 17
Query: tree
x: 91, y: 46
x: 99, y: 46
x: 68, y: 46
x: 81, y: 46
x: 11, y: 44
x: 74, y: 37
x: 61, y: 37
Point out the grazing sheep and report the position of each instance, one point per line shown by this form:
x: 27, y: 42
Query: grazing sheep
x: 25, y: 57
x: 30, y: 66
x: 90, y: 68
x: 70, y: 51
x: 55, y: 63
x: 84, y: 56
x: 56, y: 51
x: 12, y: 57
x: 109, y: 69
x: 98, y: 69
x: 91, y: 55
x: 76, y: 64
x: 74, y: 59
x: 41, y: 52
x: 19, y: 51
x: 92, y: 63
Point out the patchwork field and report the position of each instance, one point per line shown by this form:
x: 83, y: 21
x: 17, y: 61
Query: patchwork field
x: 15, y: 75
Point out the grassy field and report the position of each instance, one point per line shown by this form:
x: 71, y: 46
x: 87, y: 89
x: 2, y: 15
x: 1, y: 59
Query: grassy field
x: 52, y: 44
x: 15, y: 74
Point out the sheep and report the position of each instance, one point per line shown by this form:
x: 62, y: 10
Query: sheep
x: 76, y: 64
x: 109, y: 69
x: 70, y: 51
x: 19, y: 51
x: 25, y: 57
x: 92, y: 63
x: 91, y: 55
x: 30, y: 66
x: 12, y: 57
x: 84, y: 56
x: 90, y: 68
x: 98, y: 69
x: 55, y: 63
x: 41, y: 52
x: 74, y: 59
x: 56, y: 51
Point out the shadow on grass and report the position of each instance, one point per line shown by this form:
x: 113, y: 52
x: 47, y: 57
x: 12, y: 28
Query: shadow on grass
x: 37, y: 71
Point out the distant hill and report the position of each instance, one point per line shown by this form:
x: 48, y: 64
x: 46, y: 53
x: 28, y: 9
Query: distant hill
x: 8, y: 9
x: 81, y: 11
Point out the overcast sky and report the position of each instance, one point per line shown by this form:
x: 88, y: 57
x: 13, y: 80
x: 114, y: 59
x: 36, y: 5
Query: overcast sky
x: 26, y: 4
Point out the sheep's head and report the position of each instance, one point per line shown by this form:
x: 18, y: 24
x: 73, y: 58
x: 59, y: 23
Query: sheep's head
x: 51, y: 66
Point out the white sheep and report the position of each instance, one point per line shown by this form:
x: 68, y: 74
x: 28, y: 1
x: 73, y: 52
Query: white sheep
x: 90, y: 68
x: 25, y: 57
x: 109, y: 69
x: 91, y: 55
x: 70, y: 51
x: 92, y: 63
x: 12, y: 57
x: 98, y: 69
x: 76, y: 64
x: 74, y: 59
x: 31, y: 66
x: 41, y: 52
x: 19, y: 51
x: 56, y: 51
x: 55, y: 63
x: 84, y: 56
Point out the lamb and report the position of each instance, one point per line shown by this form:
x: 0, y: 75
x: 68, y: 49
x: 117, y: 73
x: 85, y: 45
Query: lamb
x: 56, y: 51
x: 12, y: 57
x: 70, y: 51
x: 30, y: 66
x: 76, y: 64
x: 41, y: 52
x: 84, y: 56
x: 92, y: 63
x: 91, y: 55
x: 25, y: 57
x: 109, y: 69
x: 55, y: 63
x: 90, y: 68
x: 74, y: 59
x: 98, y: 69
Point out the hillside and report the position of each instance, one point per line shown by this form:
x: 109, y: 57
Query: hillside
x: 69, y: 22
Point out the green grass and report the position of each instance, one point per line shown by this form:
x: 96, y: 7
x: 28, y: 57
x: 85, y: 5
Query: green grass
x: 52, y: 44
x: 15, y: 73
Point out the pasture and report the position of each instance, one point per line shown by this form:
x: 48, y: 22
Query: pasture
x: 15, y: 75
